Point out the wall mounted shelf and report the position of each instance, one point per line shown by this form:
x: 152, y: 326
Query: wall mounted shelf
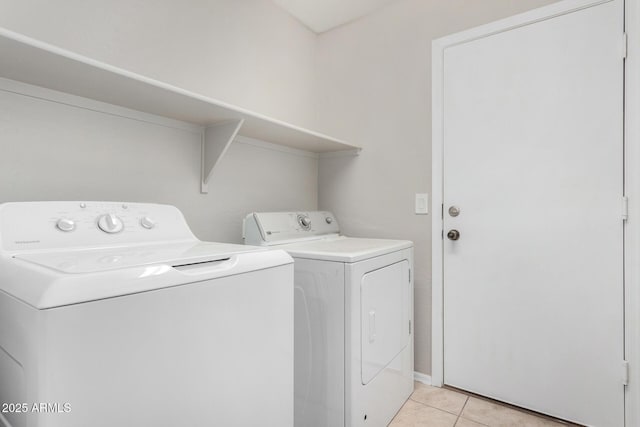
x: 34, y: 62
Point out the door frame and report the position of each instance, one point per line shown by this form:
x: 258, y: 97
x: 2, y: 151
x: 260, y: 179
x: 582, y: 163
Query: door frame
x: 631, y: 182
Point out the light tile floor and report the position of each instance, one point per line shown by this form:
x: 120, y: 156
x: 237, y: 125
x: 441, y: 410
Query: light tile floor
x: 439, y: 407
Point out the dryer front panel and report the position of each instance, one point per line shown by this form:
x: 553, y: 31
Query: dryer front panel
x: 384, y: 315
x: 378, y: 337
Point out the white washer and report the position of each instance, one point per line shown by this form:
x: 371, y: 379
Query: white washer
x: 114, y: 314
x: 353, y: 318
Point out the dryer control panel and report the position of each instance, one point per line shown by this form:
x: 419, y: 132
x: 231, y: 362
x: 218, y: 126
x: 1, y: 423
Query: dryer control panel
x: 62, y: 225
x: 264, y: 228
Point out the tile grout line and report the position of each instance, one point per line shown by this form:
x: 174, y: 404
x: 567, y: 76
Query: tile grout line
x: 499, y: 406
x: 458, y: 415
x: 435, y: 407
x: 464, y: 406
x: 515, y: 409
x: 461, y: 410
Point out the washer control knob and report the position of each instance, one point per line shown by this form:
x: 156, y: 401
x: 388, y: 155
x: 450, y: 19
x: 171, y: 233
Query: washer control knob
x: 65, y: 224
x: 329, y: 220
x: 147, y: 222
x: 109, y: 223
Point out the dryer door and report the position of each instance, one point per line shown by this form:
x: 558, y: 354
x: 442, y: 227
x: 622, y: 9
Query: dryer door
x: 385, y: 317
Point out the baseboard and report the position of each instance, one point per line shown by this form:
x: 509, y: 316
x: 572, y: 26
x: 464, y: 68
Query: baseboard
x: 422, y: 378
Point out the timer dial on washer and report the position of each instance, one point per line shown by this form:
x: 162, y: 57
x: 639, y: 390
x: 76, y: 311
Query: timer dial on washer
x: 109, y: 223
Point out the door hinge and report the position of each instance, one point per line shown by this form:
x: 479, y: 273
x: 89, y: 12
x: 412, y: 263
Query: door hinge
x: 409, y: 327
x: 625, y: 208
x: 442, y: 211
x: 625, y: 372
x: 409, y: 275
x: 625, y: 43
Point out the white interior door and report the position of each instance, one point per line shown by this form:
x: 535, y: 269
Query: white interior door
x: 533, y: 159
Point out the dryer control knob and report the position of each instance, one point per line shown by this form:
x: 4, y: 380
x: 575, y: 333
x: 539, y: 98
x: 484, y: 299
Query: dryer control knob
x: 329, y: 220
x: 110, y: 223
x: 304, y: 221
x: 147, y: 222
x: 65, y: 224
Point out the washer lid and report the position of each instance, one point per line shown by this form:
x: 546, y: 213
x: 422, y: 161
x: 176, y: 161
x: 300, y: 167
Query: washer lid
x: 56, y: 279
x: 105, y: 259
x: 344, y: 249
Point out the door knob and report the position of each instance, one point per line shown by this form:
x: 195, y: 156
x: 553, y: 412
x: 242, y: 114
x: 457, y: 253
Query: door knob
x: 453, y: 235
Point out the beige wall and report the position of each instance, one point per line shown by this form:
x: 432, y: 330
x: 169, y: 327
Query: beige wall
x: 375, y: 90
x: 59, y: 152
x: 249, y: 53
x: 367, y: 82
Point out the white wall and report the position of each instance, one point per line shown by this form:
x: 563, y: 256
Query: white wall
x: 249, y: 53
x: 375, y: 91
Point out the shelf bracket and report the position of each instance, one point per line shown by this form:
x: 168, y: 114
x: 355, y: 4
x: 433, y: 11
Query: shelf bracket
x: 216, y: 139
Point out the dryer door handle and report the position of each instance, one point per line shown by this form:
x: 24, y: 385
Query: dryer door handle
x: 372, y: 326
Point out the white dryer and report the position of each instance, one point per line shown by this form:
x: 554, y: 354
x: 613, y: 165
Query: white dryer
x: 114, y: 314
x: 353, y: 318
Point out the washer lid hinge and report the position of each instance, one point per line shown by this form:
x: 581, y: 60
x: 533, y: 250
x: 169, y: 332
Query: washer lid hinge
x: 625, y: 208
x: 625, y: 372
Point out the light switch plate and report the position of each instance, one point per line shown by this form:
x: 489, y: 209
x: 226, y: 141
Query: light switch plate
x: 422, y: 203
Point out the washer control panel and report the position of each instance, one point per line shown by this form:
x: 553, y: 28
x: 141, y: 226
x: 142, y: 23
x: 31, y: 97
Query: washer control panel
x: 262, y: 228
x: 50, y: 225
